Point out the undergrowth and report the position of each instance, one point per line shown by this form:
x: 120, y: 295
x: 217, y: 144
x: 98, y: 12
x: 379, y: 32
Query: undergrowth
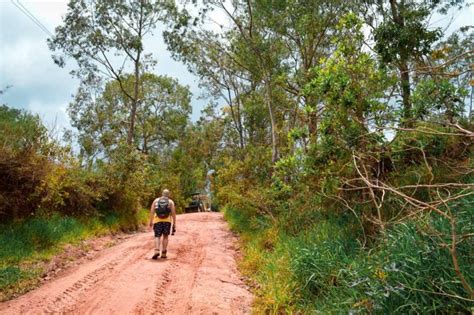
x: 324, y: 269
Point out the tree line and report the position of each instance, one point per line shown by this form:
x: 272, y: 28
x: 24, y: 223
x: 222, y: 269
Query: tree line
x: 352, y: 112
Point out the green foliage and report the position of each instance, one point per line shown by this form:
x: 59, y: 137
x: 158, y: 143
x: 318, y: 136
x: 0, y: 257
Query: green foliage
x: 21, y: 131
x: 420, y: 273
x: 22, y: 240
x: 9, y: 275
x: 71, y: 191
x: 266, y: 261
x: 435, y: 142
x: 327, y: 270
x: 408, y: 40
x: 431, y: 97
x: 350, y: 84
x: 109, y: 27
x: 102, y: 120
x: 24, y: 161
x: 409, y: 272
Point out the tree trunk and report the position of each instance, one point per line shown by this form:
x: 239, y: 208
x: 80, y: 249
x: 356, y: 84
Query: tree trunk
x: 236, y: 117
x: 268, y: 101
x: 133, y: 111
x: 405, y: 87
x: 312, y: 119
x: 403, y: 66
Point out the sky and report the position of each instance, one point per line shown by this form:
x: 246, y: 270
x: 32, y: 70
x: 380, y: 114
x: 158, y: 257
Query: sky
x: 42, y: 87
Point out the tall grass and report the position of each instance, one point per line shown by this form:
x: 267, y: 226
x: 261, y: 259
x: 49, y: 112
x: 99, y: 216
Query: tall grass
x: 324, y: 269
x: 266, y: 261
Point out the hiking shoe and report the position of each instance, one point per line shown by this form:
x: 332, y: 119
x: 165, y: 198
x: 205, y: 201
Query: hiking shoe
x: 163, y: 254
x: 155, y: 256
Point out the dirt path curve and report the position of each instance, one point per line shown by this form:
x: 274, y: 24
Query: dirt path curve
x: 198, y: 277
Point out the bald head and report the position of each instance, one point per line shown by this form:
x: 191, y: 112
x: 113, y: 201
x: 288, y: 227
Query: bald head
x: 166, y: 193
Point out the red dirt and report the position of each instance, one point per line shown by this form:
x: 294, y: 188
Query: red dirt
x: 198, y: 277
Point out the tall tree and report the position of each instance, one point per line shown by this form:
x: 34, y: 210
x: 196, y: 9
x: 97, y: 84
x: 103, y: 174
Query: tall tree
x: 105, y: 38
x: 251, y: 54
x: 307, y: 29
x: 264, y: 55
x: 403, y: 37
x: 100, y: 115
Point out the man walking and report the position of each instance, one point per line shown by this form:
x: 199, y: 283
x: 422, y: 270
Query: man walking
x: 162, y: 213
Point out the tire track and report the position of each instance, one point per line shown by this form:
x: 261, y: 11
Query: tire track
x: 131, y: 265
x: 156, y: 303
x: 199, y: 277
x: 69, y: 299
x: 189, y: 260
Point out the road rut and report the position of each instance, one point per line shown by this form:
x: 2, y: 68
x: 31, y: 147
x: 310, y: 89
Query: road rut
x: 198, y: 277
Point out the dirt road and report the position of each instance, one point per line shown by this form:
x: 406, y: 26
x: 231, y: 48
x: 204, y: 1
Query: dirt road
x: 198, y: 277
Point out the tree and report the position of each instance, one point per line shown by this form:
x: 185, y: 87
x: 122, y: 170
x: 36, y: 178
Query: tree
x: 444, y: 81
x: 25, y: 157
x: 351, y: 87
x: 262, y: 57
x: 100, y: 115
x: 249, y: 54
x: 103, y: 37
x: 403, y: 38
x: 307, y: 29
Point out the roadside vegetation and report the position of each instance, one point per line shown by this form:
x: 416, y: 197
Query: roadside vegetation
x: 347, y: 158
x: 338, y: 142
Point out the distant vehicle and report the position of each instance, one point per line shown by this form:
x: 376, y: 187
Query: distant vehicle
x: 199, y: 203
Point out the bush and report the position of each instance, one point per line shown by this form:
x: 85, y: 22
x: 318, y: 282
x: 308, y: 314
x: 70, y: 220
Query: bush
x: 420, y: 267
x: 9, y: 275
x: 24, y: 162
x: 71, y: 191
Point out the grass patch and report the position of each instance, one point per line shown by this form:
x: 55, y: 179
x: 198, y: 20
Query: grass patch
x: 266, y: 262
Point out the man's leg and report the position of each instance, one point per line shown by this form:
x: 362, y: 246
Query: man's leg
x: 157, y: 245
x: 166, y: 233
x: 165, y: 242
x: 157, y: 242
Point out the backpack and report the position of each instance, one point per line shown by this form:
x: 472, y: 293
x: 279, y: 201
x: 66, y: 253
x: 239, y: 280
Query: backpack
x: 162, y: 208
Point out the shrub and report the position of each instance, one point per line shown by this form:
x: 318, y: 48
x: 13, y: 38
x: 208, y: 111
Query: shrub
x: 71, y: 191
x: 39, y: 233
x: 23, y: 162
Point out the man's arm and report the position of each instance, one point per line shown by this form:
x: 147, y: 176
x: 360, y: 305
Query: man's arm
x: 173, y: 214
x: 152, y: 213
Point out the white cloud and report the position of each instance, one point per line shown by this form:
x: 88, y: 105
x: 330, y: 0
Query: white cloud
x: 48, y: 12
x: 21, y: 60
x: 54, y: 116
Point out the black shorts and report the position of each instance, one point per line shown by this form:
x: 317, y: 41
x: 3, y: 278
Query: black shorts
x: 162, y: 228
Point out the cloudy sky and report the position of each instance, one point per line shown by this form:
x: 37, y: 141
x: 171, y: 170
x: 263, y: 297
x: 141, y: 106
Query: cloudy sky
x: 41, y: 86
x: 44, y: 88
